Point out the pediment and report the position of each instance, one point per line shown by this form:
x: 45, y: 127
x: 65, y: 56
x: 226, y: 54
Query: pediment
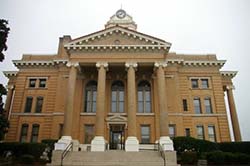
x: 117, y: 37
x: 116, y: 118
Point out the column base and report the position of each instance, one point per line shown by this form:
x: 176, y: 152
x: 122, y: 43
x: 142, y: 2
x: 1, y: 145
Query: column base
x: 63, y: 142
x: 132, y: 144
x: 166, y: 143
x: 98, y: 144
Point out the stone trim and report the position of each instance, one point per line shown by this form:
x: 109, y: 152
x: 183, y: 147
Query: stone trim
x: 197, y: 115
x: 21, y: 63
x: 145, y: 114
x: 204, y: 63
x: 230, y: 74
x: 112, y: 30
x: 9, y: 74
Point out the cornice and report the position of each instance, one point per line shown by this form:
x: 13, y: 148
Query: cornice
x: 230, y: 74
x: 24, y: 63
x: 9, y: 74
x: 115, y: 47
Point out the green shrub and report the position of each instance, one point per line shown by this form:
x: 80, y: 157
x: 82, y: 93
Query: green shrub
x: 26, y: 159
x: 219, y: 157
x: 182, y: 144
x: 235, y: 147
x: 50, y: 143
x: 188, y: 158
x: 18, y: 149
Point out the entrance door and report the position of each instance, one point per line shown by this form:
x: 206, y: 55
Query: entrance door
x: 116, y: 137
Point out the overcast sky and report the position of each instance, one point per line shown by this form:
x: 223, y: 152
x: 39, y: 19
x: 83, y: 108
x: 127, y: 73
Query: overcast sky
x: 192, y: 26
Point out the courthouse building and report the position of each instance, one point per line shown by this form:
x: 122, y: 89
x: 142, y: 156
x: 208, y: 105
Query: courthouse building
x: 120, y: 87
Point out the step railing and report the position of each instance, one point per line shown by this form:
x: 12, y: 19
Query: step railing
x: 65, y: 152
x: 162, y: 152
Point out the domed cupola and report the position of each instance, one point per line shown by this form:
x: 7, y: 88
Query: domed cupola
x: 122, y: 19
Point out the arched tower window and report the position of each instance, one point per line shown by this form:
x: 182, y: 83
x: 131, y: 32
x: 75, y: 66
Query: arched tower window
x: 117, y: 96
x: 144, y: 97
x: 90, y: 96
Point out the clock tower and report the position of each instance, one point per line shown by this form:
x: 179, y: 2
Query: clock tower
x: 122, y: 19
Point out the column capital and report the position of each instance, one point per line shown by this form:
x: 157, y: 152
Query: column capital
x: 160, y: 64
x: 131, y: 64
x: 104, y: 64
x: 10, y: 87
x: 230, y: 87
x: 72, y: 64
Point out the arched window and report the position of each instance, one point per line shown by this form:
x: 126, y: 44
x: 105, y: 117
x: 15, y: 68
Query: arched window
x: 144, y: 97
x: 90, y: 96
x: 117, y: 96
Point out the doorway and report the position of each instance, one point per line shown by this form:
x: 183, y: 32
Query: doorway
x: 117, y: 137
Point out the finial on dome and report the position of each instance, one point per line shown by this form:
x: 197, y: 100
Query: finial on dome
x: 121, y: 18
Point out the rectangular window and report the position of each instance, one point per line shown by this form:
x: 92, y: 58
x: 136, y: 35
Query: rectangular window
x: 35, y: 132
x: 185, y: 106
x: 24, y: 133
x: 204, y: 83
x: 211, y: 133
x: 145, y: 134
x: 200, y: 132
x: 187, y: 131
x: 60, y: 131
x: 28, y: 104
x: 147, y: 102
x: 32, y: 83
x: 197, y: 105
x: 195, y: 83
x: 140, y: 101
x: 208, y: 105
x: 172, y: 132
x: 42, y: 82
x: 89, y: 133
x: 39, y: 104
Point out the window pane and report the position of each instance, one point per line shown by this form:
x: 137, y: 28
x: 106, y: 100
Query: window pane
x: 187, y: 131
x: 94, y: 96
x: 32, y: 83
x: 34, y: 134
x: 200, y: 132
x: 114, y: 95
x: 194, y: 83
x: 148, y: 107
x: 208, y: 105
x: 204, y: 83
x: 197, y: 106
x: 89, y: 133
x: 113, y: 106
x: 121, y: 96
x: 140, y: 106
x: 24, y: 133
x: 140, y: 96
x: 39, y: 104
x: 147, y: 96
x: 185, y: 107
x: 93, y: 107
x: 171, y: 131
x: 145, y: 134
x: 211, y: 133
x: 28, y: 105
x: 121, y: 106
x: 42, y: 83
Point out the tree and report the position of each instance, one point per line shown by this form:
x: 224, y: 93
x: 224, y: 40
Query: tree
x: 4, y: 31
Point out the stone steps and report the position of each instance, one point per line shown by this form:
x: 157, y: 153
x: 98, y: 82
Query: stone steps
x: 109, y: 158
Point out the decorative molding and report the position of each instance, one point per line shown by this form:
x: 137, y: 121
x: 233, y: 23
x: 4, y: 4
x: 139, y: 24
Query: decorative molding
x: 72, y: 64
x: 30, y: 63
x: 230, y: 74
x: 131, y: 64
x: 162, y: 64
x: 79, y: 43
x: 204, y: 63
x: 104, y: 64
x: 9, y: 74
x: 145, y: 114
x: 197, y: 115
x: 230, y: 87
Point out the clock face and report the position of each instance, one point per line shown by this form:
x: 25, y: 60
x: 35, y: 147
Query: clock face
x: 120, y: 13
